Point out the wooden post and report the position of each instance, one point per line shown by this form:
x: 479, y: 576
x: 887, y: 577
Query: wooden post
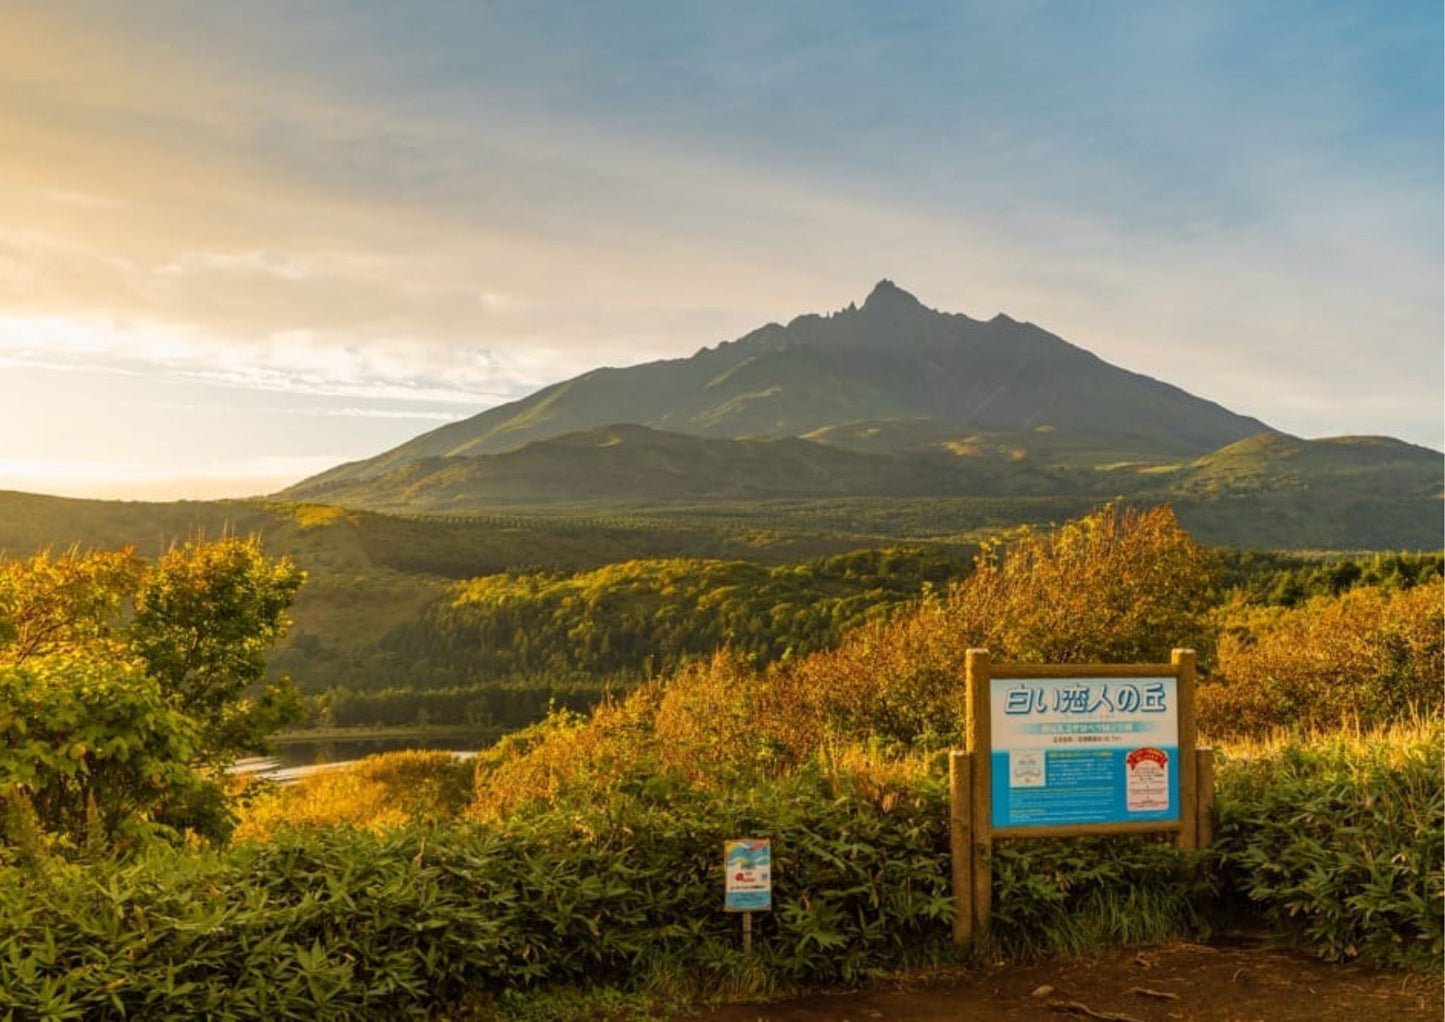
x: 979, y: 730
x: 1183, y: 662
x: 960, y: 844
x: 1204, y: 792
x: 747, y: 933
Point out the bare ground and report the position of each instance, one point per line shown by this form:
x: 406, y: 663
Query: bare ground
x: 1176, y: 983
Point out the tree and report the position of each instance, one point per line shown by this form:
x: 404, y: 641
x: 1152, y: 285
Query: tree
x: 126, y: 688
x: 64, y: 604
x: 205, y: 616
x: 92, y: 753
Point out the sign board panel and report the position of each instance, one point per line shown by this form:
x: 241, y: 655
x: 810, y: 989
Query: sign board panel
x: 748, y: 864
x: 1084, y: 750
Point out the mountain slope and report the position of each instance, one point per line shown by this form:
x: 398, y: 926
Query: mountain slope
x: 892, y: 358
x: 626, y: 464
x: 1268, y: 490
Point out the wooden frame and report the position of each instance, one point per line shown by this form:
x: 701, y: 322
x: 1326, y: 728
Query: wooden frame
x: 971, y: 830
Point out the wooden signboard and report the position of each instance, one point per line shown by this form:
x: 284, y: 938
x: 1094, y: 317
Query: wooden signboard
x: 1063, y: 750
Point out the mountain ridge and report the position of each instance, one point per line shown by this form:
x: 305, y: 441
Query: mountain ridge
x: 893, y: 408
x: 892, y: 356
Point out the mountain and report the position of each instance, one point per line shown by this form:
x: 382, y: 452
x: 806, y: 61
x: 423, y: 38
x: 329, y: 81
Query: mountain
x: 893, y: 418
x: 890, y: 359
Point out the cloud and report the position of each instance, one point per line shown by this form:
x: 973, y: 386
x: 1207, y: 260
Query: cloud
x: 454, y: 205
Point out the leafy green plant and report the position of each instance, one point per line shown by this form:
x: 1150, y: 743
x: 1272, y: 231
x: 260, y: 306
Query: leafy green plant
x: 206, y: 614
x: 1072, y: 896
x: 98, y: 754
x: 1339, y: 841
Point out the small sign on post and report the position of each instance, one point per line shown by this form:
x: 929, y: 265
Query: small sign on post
x: 748, y: 888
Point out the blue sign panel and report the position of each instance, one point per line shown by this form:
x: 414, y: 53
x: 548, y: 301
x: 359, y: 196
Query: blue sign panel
x: 748, y: 864
x: 1084, y: 750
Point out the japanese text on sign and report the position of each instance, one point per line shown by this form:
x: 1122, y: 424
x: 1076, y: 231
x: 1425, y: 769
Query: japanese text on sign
x: 1085, y: 698
x: 1083, y: 751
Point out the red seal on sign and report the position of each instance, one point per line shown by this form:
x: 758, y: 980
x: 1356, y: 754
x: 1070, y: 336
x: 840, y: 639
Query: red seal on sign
x: 1156, y: 756
x: 1146, y: 784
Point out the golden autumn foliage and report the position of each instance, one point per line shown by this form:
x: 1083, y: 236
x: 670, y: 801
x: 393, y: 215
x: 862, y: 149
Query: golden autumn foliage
x: 1368, y: 657
x: 564, y: 752
x: 378, y: 793
x: 1117, y: 584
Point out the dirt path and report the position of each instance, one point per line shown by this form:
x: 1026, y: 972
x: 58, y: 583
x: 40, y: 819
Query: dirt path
x: 1176, y: 983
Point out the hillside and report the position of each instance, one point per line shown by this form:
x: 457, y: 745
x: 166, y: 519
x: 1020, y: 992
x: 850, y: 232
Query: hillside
x: 370, y: 573
x: 1354, y: 492
x: 631, y: 465
x: 1267, y: 490
x: 891, y: 358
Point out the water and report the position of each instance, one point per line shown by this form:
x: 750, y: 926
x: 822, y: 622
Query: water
x: 296, y: 759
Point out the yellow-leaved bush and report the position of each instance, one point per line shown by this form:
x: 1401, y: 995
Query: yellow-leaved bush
x: 1368, y: 657
x: 378, y: 793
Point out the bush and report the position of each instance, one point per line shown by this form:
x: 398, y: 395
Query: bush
x: 94, y: 755
x: 624, y: 891
x: 1339, y: 845
x: 1075, y: 896
x: 1339, y: 841
x: 567, y: 753
x: 381, y: 792
x: 342, y: 923
x: 1367, y: 658
x: 1118, y: 585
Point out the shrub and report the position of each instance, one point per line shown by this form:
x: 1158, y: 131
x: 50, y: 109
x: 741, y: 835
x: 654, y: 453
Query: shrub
x: 1339, y: 841
x: 566, y: 753
x: 122, y: 682
x: 1118, y: 585
x: 619, y: 886
x: 1132, y: 584
x: 381, y: 792
x: 96, y: 756
x: 1074, y: 896
x: 1368, y: 657
x: 623, y: 891
x: 341, y: 923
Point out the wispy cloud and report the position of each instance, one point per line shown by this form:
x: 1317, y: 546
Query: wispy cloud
x: 441, y: 208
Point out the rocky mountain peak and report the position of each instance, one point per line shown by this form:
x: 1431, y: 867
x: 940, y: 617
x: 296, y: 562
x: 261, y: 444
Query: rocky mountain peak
x: 887, y: 296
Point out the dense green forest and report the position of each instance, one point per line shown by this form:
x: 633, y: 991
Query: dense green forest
x: 1274, y: 578
x: 498, y: 650
x: 650, y: 616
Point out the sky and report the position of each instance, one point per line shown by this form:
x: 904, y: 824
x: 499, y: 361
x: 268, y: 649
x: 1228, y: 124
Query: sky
x: 241, y: 243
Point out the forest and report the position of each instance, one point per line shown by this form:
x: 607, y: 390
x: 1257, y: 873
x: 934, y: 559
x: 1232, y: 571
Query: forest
x: 497, y: 650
